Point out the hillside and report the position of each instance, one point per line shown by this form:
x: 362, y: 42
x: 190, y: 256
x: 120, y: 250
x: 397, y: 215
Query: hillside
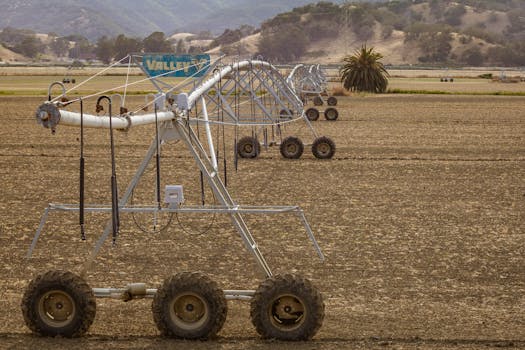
x: 95, y: 18
x: 464, y: 32
x: 415, y: 32
x: 7, y: 55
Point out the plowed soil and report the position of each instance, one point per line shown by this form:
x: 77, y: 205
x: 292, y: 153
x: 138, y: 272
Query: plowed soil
x: 421, y: 216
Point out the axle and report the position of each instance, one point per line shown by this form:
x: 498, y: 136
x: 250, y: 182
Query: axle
x: 139, y: 291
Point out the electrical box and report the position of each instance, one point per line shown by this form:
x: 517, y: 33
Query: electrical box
x: 173, y: 196
x: 160, y: 101
x: 182, y: 101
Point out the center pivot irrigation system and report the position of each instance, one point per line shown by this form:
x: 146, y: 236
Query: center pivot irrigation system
x: 310, y: 82
x: 189, y: 304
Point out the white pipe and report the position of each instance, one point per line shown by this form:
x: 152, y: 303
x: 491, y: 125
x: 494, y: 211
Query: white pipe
x: 208, y: 84
x: 118, y: 122
x: 208, y: 134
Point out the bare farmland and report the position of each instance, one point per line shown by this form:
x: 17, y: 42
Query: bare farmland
x: 421, y: 215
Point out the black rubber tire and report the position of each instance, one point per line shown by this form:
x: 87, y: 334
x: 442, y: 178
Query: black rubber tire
x: 291, y: 148
x: 331, y: 114
x: 312, y: 114
x: 185, y: 290
x: 285, y: 114
x: 248, y: 147
x: 331, y: 101
x: 323, y: 148
x: 287, y: 307
x: 318, y: 101
x: 47, y: 300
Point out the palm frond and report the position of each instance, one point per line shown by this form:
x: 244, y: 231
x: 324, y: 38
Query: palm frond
x: 363, y: 71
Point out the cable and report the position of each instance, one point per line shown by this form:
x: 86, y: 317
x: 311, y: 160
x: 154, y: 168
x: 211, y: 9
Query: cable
x: 82, y: 173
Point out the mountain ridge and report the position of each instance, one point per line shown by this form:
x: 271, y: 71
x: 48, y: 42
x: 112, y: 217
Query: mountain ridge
x: 96, y: 18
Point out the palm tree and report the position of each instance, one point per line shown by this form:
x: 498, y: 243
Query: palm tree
x: 363, y: 71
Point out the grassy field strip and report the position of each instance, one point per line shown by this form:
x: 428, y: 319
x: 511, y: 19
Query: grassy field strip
x: 37, y: 85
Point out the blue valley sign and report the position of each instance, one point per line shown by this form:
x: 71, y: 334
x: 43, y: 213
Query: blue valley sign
x: 181, y: 66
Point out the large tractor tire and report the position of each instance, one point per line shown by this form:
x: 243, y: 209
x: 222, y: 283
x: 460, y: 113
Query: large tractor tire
x: 286, y: 114
x: 312, y: 114
x: 331, y: 114
x: 59, y: 303
x: 323, y: 148
x: 248, y: 147
x: 291, y: 148
x: 189, y: 305
x: 287, y: 308
x: 332, y: 101
x: 318, y: 101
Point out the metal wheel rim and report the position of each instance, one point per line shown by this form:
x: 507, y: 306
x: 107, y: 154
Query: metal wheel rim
x: 189, y: 311
x: 323, y: 148
x: 291, y: 148
x: 247, y: 148
x: 331, y: 114
x: 287, y: 312
x: 311, y: 115
x: 56, y: 308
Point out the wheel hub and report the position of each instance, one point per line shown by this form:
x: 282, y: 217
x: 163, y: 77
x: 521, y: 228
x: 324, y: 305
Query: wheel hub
x: 56, y: 308
x: 189, y: 311
x: 324, y: 148
x: 287, y: 312
x: 291, y: 148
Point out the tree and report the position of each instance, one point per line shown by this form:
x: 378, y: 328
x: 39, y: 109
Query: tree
x: 30, y: 46
x: 82, y: 48
x: 124, y: 46
x: 284, y: 45
x: 453, y: 15
x: 105, y: 49
x: 157, y: 42
x: 436, y: 46
x: 473, y: 56
x: 59, y: 46
x: 363, y: 71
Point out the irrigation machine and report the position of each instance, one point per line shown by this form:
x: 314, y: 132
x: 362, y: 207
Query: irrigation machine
x: 246, y: 94
x: 310, y: 83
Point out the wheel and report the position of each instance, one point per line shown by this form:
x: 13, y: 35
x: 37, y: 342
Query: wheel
x: 59, y: 303
x: 331, y: 114
x: 248, y: 147
x: 312, y: 114
x: 189, y: 305
x: 287, y: 308
x: 332, y: 101
x: 318, y: 101
x: 323, y: 148
x: 285, y: 114
x: 291, y: 148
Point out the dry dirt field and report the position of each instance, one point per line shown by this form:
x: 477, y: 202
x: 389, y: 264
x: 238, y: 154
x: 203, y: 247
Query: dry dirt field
x: 421, y: 215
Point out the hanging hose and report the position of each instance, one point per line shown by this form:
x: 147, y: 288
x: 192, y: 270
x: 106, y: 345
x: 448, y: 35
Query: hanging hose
x: 157, y: 157
x: 225, y: 163
x: 114, y: 189
x: 81, y: 185
x: 237, y: 112
x: 201, y: 177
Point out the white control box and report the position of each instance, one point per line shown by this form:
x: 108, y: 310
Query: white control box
x: 173, y: 195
